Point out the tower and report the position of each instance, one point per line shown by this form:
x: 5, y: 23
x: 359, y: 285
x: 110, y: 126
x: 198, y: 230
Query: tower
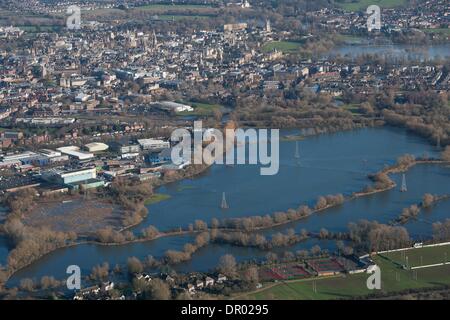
x: 404, y: 188
x: 297, y: 152
x: 154, y: 39
x: 224, y: 204
x: 268, y: 26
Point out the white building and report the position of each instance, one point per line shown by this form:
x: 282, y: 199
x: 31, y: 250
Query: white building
x: 174, y: 106
x: 73, y: 151
x: 153, y: 144
x: 96, y: 147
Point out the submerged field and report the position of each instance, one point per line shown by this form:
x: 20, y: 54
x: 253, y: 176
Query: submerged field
x: 78, y: 214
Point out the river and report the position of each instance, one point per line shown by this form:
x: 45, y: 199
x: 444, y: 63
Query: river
x: 410, y: 52
x: 329, y: 164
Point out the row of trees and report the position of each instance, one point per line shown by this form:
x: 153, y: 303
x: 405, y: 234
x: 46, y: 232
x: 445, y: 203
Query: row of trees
x: 381, y: 181
x: 109, y: 235
x: 174, y: 257
x: 244, y: 239
x: 441, y: 231
x: 277, y: 218
x: 45, y: 283
x: 131, y: 197
x: 408, y: 213
x: 370, y: 236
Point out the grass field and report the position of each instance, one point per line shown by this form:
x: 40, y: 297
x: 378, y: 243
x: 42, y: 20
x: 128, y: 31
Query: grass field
x: 393, y: 279
x: 438, y: 30
x: 363, y: 4
x: 41, y: 28
x: 352, y: 107
x: 283, y: 46
x: 174, y: 6
x: 167, y: 17
x: 201, y: 109
x: 350, y: 39
x: 421, y: 256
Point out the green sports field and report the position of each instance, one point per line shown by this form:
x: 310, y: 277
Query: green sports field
x: 201, y: 109
x: 393, y: 279
x: 283, y: 46
x: 174, y: 6
x: 363, y: 4
x: 444, y: 31
x: 420, y: 256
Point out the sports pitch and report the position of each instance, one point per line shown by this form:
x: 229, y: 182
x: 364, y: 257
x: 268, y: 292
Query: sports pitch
x: 394, y: 279
x: 420, y: 256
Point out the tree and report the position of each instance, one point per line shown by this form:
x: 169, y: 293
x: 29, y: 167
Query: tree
x: 251, y: 274
x: 183, y: 296
x: 100, y: 272
x: 315, y: 250
x: 347, y: 251
x: 150, y: 232
x: 321, y: 203
x: 159, y: 290
x: 27, y: 284
x: 134, y: 265
x: 200, y: 225
x: 323, y: 234
x: 227, y: 265
x: 427, y: 200
x: 49, y: 282
x: 406, y: 160
x: 271, y: 257
x: 445, y: 155
x: 214, y: 223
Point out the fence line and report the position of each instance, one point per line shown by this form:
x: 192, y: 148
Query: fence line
x: 418, y: 247
x: 430, y: 265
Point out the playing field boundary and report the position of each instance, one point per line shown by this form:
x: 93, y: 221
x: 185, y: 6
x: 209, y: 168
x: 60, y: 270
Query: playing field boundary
x: 412, y: 248
x: 430, y: 265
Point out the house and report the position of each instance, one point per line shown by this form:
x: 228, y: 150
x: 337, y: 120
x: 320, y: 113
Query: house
x: 169, y: 278
x: 191, y: 288
x: 163, y: 156
x: 221, y: 278
x: 199, y: 284
x: 209, y: 281
x: 144, y: 276
x: 372, y: 268
x: 108, y: 286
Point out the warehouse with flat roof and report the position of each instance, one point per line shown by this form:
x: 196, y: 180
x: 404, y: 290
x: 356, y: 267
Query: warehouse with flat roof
x: 96, y: 147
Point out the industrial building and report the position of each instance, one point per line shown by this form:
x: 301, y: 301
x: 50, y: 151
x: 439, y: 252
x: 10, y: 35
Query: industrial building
x: 42, y: 158
x: 174, y: 106
x: 74, y: 152
x: 124, y: 147
x: 85, y: 178
x: 153, y: 144
x: 96, y: 147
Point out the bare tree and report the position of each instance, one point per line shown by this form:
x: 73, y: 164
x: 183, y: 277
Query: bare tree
x: 134, y: 265
x: 227, y: 265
